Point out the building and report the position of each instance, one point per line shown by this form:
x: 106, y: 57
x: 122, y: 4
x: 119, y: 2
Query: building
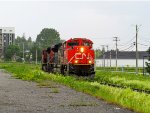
x: 7, y: 37
x: 124, y: 54
x: 124, y: 58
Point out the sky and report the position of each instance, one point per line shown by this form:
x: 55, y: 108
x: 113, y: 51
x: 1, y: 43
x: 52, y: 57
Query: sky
x: 99, y: 21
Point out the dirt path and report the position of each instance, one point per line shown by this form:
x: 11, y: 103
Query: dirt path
x: 17, y: 96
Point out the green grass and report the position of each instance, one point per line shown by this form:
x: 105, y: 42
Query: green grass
x: 125, y: 69
x: 136, y: 101
x: 124, y: 80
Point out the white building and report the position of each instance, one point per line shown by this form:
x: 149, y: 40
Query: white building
x: 124, y: 58
x: 7, y: 37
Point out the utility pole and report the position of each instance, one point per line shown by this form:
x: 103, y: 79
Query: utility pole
x: 23, y: 36
x: 136, y: 43
x: 103, y: 49
x: 36, y: 56
x: 110, y: 58
x: 116, y: 40
x: 23, y: 52
x: 107, y: 55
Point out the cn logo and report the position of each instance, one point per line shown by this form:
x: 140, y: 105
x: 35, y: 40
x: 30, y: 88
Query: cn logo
x: 82, y: 55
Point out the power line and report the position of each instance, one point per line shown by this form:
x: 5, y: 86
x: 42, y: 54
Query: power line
x: 127, y: 43
x: 123, y: 48
x: 113, y: 47
x: 143, y: 44
x: 130, y: 47
x: 147, y: 41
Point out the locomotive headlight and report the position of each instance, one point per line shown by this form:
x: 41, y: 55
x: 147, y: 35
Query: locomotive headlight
x: 82, y: 49
x: 76, y: 61
x: 90, y: 61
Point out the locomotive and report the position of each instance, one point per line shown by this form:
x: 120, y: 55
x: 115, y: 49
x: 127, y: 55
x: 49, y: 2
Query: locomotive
x: 74, y: 56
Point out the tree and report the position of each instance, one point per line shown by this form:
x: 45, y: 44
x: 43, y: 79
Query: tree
x: 27, y: 44
x: 47, y: 37
x: 22, y: 40
x: 148, y: 63
x: 98, y: 53
x: 33, y: 51
x: 11, y: 51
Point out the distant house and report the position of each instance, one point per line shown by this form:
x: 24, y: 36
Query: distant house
x: 123, y: 55
x: 124, y: 58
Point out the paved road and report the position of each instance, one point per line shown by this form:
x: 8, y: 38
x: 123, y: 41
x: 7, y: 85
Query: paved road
x: 17, y: 96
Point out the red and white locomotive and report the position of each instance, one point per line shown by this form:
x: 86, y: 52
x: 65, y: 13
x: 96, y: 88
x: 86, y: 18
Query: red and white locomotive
x: 74, y: 56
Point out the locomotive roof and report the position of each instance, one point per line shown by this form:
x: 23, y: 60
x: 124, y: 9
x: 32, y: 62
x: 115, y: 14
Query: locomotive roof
x: 79, y: 39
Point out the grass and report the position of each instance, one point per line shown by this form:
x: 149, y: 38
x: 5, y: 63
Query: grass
x: 136, y: 101
x: 124, y: 80
x: 125, y: 69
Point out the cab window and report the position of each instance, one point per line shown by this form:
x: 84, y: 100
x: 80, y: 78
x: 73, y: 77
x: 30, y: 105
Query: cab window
x: 87, y: 44
x: 73, y: 43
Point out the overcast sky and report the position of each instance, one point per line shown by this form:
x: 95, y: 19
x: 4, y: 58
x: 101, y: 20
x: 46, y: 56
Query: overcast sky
x: 98, y: 20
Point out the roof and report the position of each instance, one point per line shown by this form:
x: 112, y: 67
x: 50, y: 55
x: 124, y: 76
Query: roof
x: 8, y: 29
x: 124, y: 54
x: 79, y: 39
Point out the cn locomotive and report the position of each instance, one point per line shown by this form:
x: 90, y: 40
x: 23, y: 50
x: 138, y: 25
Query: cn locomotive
x: 74, y: 56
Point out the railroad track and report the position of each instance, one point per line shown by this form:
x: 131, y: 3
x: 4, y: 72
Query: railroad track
x: 114, y: 85
x: 125, y: 87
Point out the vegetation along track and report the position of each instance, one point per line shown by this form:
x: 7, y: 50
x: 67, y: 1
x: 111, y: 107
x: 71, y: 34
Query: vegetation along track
x: 136, y: 83
x: 124, y: 87
x: 125, y: 97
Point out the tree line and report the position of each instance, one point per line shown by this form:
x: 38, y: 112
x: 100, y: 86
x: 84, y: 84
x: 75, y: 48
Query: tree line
x: 24, y: 49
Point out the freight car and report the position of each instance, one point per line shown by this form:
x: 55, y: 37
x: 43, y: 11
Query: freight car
x: 74, y: 56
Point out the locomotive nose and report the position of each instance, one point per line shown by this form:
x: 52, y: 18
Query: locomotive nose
x: 82, y: 55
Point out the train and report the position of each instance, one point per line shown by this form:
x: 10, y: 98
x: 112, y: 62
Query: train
x: 73, y: 56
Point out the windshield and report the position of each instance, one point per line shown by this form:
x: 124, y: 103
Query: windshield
x: 73, y: 43
x: 85, y: 43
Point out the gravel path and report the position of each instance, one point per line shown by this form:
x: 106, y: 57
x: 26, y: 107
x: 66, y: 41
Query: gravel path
x: 17, y: 96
